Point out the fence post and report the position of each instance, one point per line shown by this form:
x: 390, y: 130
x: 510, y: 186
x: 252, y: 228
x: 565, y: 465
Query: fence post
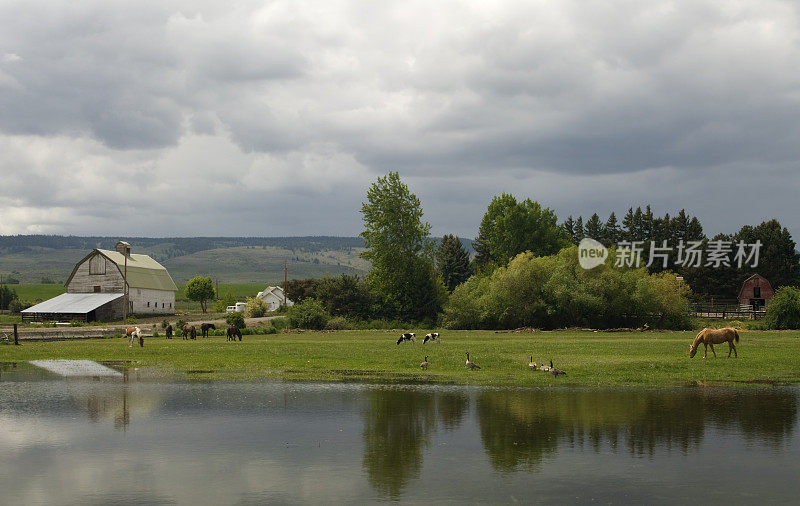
x: 16, y: 335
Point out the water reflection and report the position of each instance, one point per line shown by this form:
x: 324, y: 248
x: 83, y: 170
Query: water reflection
x: 294, y: 442
x: 520, y: 428
x: 397, y: 427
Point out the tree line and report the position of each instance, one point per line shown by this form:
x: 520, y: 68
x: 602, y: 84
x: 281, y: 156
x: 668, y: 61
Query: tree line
x: 778, y: 259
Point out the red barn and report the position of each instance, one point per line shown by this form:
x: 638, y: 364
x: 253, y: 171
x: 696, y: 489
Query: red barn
x: 756, y: 292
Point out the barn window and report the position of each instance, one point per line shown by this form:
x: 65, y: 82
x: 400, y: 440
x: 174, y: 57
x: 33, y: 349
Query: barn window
x: 162, y: 305
x: 148, y: 304
x: 98, y: 289
x: 756, y: 292
x: 97, y: 265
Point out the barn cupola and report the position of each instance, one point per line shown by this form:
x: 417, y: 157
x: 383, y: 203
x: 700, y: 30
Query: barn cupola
x: 124, y: 248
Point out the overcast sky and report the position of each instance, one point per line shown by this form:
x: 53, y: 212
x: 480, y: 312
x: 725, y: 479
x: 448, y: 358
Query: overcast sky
x: 263, y: 118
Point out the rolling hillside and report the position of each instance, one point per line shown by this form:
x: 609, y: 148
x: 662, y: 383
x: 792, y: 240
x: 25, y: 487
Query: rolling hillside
x: 32, y: 259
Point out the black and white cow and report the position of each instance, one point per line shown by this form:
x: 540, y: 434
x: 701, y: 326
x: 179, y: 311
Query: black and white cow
x: 433, y: 336
x: 410, y: 336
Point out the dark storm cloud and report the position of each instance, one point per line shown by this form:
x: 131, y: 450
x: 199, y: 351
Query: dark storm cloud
x: 585, y: 106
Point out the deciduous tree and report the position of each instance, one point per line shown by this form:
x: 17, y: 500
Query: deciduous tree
x: 510, y: 227
x: 200, y: 289
x: 400, y: 250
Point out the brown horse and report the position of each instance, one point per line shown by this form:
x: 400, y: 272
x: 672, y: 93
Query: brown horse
x: 136, y: 332
x: 233, y: 331
x: 710, y: 337
x: 189, y: 330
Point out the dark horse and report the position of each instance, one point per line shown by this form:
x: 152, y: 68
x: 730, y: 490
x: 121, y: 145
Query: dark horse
x: 233, y: 331
x: 188, y: 330
x: 204, y: 328
x: 168, y: 330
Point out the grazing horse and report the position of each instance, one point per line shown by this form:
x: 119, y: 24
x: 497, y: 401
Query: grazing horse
x: 233, y: 331
x: 433, y: 336
x: 168, y: 330
x: 710, y: 337
x: 136, y: 332
x: 205, y: 327
x: 189, y: 330
x: 410, y: 336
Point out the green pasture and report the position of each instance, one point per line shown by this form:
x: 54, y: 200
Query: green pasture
x: 37, y: 291
x: 589, y: 358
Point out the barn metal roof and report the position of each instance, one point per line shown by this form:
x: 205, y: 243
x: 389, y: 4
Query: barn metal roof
x: 73, y: 303
x: 143, y: 271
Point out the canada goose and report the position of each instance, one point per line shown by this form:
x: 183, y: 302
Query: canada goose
x: 544, y: 367
x: 472, y: 365
x: 555, y: 370
x: 532, y: 364
x: 424, y: 365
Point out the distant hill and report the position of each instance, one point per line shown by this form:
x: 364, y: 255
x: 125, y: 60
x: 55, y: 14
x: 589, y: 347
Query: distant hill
x: 34, y: 258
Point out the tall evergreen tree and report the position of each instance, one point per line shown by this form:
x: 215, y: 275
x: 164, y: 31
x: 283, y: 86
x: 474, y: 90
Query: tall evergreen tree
x: 611, y: 232
x: 452, y: 261
x: 569, y: 229
x: 578, y: 230
x: 594, y: 227
x: 628, y: 225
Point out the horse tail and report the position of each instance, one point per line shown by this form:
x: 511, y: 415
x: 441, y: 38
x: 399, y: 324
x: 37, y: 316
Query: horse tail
x: 736, y: 335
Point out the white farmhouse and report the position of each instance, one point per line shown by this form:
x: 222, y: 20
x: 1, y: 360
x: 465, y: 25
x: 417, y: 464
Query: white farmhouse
x: 274, y: 297
x: 95, y: 289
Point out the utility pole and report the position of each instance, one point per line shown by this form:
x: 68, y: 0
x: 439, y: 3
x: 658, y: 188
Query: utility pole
x: 284, y: 282
x: 125, y: 289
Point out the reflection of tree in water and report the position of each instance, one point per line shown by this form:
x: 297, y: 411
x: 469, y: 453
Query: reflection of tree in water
x: 519, y: 428
x: 516, y: 430
x: 451, y: 408
x: 397, y: 428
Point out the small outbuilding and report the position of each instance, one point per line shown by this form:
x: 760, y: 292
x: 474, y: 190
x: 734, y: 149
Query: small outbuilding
x: 274, y: 297
x: 96, y: 288
x: 756, y: 292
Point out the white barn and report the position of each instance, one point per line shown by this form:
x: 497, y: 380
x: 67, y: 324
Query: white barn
x: 274, y: 297
x: 95, y: 289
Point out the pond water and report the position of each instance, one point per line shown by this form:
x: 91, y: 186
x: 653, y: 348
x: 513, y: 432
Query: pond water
x: 151, y: 438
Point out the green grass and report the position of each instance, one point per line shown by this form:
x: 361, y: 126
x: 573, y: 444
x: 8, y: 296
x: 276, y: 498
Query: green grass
x: 37, y: 291
x: 238, y: 290
x: 589, y: 358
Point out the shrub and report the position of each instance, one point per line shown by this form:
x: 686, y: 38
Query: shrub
x: 132, y: 320
x: 260, y: 330
x: 554, y: 291
x: 225, y: 301
x: 279, y: 323
x: 15, y: 306
x: 235, y: 320
x: 179, y: 326
x: 783, y: 311
x: 309, y: 314
x: 338, y: 323
x: 256, y: 307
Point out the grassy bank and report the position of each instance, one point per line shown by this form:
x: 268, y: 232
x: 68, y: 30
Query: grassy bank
x: 589, y: 358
